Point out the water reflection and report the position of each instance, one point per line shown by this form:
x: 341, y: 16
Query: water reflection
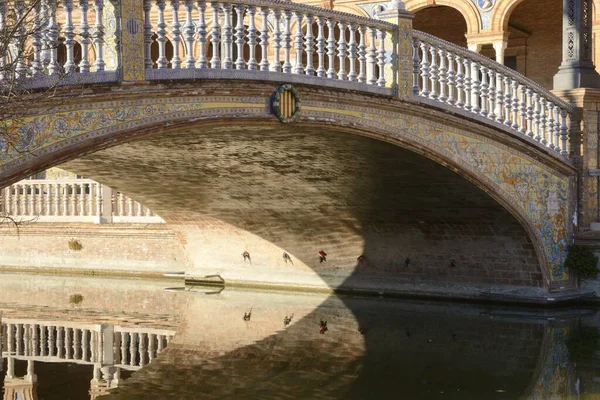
x: 255, y: 345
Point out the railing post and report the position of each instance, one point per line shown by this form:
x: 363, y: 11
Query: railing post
x: 133, y: 45
x: 401, y: 45
x: 104, y: 203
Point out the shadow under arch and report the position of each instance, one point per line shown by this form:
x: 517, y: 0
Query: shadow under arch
x: 257, y: 130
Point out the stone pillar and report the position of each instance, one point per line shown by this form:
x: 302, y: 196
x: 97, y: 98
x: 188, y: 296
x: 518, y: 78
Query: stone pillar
x: 577, y: 69
x: 396, y: 14
x: 106, y: 209
x: 499, y: 47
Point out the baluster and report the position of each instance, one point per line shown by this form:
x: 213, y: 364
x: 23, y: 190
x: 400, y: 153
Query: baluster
x: 416, y: 66
x: 557, y: 129
x: 149, y: 212
x: 36, y: 63
x: 130, y: 207
x: 499, y: 98
x: 95, y: 350
x: 121, y: 202
x: 276, y: 66
x: 252, y: 38
x: 544, y: 131
x: 51, y: 342
x: 507, y: 102
x: 81, y: 199
x: 42, y: 342
x: 60, y: 342
x: 362, y: 54
x: 99, y: 35
x: 77, y: 344
x: 309, y: 45
x: 56, y: 199
x: 151, y: 346
x: 227, y: 37
x: 523, y: 111
x: 19, y: 40
x: 39, y: 199
x: 352, y: 52
x: 99, y: 200
x: 19, y: 339
x: 467, y: 84
x: 551, y: 125
x: 8, y: 200
x: 160, y: 344
x: 287, y: 41
x: 26, y: 339
x: 85, y: 345
x: 343, y: 51
x: 331, y: 50
x: 563, y: 132
x: 451, y: 78
x: 65, y: 199
x: 475, y: 86
x: 483, y: 90
x: 372, y: 58
x: 138, y: 207
x: 202, y: 61
x: 536, y: 115
x: 215, y: 36
x: 515, y: 105
x: 47, y: 199
x: 132, y: 348
x: 35, y: 333
x: 176, y: 34
x: 124, y: 348
x: 90, y: 198
x: 460, y: 82
x: 3, y: 60
x: 433, y: 72
x: 73, y: 199
x: 148, y: 63
x: 381, y: 57
x: 188, y: 31
x: 264, y: 39
x: 529, y: 112
x: 321, y: 47
x: 240, y: 62
x: 442, y: 75
x: 298, y: 43
x: 84, y: 34
x: 31, y: 189
x: 161, y: 33
x: 492, y: 94
x: 425, y: 69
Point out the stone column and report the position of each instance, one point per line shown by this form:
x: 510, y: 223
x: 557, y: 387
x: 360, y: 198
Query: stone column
x: 577, y: 69
x: 499, y: 47
x: 396, y: 14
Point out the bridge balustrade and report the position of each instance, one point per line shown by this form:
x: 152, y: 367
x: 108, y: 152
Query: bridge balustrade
x: 77, y: 200
x: 287, y: 42
x: 458, y: 78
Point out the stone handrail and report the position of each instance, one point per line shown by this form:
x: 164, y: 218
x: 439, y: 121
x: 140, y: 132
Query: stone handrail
x: 266, y: 36
x: 286, y: 42
x: 74, y: 200
x: 449, y: 74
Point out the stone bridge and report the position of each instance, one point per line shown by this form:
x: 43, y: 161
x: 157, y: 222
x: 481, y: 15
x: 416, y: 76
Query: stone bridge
x: 273, y: 127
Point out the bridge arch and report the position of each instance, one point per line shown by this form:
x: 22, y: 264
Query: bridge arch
x: 535, y: 191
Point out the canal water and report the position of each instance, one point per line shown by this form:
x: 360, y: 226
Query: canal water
x: 80, y: 338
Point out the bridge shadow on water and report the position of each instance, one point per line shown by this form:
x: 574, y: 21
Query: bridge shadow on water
x: 409, y: 218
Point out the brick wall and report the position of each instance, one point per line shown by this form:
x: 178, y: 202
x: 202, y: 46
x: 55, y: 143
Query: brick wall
x: 444, y: 22
x: 149, y: 248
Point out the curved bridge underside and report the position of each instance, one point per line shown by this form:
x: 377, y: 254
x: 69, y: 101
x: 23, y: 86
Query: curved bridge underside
x: 359, y: 175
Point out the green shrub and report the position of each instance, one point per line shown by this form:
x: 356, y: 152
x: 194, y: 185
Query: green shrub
x: 75, y: 245
x: 582, y: 260
x: 75, y: 298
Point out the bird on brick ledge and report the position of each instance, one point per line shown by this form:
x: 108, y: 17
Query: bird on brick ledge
x: 323, y: 327
x: 246, y: 256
